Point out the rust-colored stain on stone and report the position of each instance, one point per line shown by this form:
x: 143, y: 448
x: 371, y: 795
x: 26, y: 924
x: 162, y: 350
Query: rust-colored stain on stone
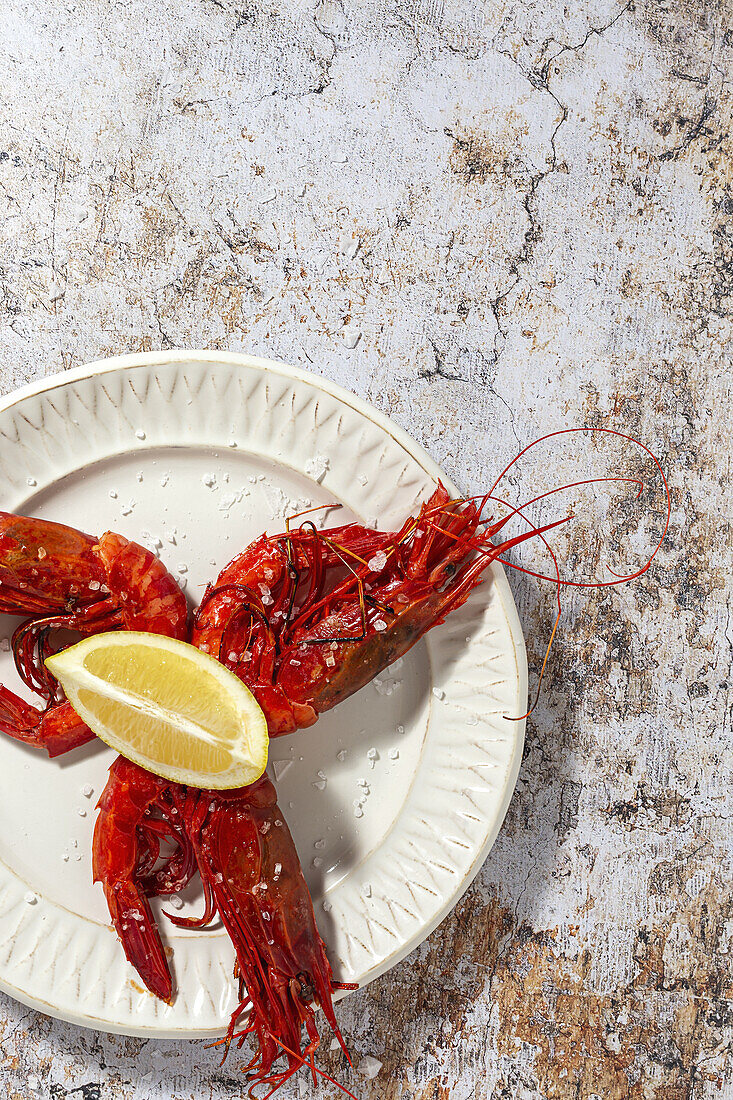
x: 524, y: 210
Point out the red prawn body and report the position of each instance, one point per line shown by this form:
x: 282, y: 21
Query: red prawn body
x: 63, y: 578
x: 125, y: 849
x: 252, y: 876
x: 343, y: 614
x: 249, y: 868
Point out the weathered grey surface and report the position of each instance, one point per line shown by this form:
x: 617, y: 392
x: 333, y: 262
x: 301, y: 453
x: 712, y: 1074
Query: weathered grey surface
x: 541, y: 198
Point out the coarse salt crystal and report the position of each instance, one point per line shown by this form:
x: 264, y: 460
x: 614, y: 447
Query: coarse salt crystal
x: 33, y: 1082
x: 164, y: 480
x: 30, y: 898
x: 400, y: 729
x: 317, y: 467
x: 330, y: 661
x: 317, y: 861
x: 358, y: 812
x: 378, y: 562
x: 438, y: 693
x: 320, y: 784
x: 113, y: 494
x: 369, y: 1067
x: 81, y: 812
x: 218, y: 877
x: 280, y: 767
x: 394, y: 754
x: 335, y: 1045
x: 341, y: 754
x: 65, y: 857
x: 380, y: 625
x: 266, y: 595
x: 175, y: 901
x: 140, y: 433
x: 128, y: 508
x: 94, y: 586
x: 372, y: 754
x: 209, y: 480
x: 182, y: 568
x: 326, y: 907
x: 367, y: 890
x: 43, y: 553
x: 170, y: 537
x: 265, y: 827
x: 87, y: 790
x: 351, y: 336
x: 139, y: 475
x: 319, y: 844
x: 31, y: 481
x: 362, y: 782
x: 362, y: 479
x: 5, y: 645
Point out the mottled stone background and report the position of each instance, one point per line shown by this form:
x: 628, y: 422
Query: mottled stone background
x: 492, y: 220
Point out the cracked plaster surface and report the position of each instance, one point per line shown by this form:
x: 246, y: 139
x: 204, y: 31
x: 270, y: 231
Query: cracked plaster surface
x: 524, y: 210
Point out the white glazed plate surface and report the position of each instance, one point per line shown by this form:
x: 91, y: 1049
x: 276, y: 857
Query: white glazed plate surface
x: 197, y: 453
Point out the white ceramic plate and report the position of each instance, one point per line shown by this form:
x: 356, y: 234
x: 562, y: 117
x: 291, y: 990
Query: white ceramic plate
x: 202, y: 451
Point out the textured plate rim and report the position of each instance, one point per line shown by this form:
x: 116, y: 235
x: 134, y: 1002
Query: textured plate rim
x: 417, y: 452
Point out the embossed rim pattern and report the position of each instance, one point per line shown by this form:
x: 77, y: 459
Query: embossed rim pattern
x: 470, y: 762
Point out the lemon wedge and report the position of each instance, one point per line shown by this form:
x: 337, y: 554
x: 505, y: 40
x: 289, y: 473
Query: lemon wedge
x: 166, y: 706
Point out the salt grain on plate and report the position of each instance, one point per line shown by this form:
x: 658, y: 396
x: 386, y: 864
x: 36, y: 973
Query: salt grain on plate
x: 341, y: 754
x: 319, y: 844
x: 379, y: 624
x: 140, y: 433
x: 209, y: 480
x: 394, y: 754
x: 320, y: 784
x: 317, y: 861
x: 5, y: 645
x: 31, y: 481
x: 31, y: 898
x: 362, y: 479
x: 317, y: 467
x: 326, y: 907
x: 438, y: 693
x: 113, y: 494
x: 127, y: 508
x: 81, y: 812
x: 171, y: 538
x: 358, y: 812
x: 280, y: 767
x: 139, y: 475
x: 164, y: 480
x: 87, y: 790
x: 175, y: 901
x: 367, y: 890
